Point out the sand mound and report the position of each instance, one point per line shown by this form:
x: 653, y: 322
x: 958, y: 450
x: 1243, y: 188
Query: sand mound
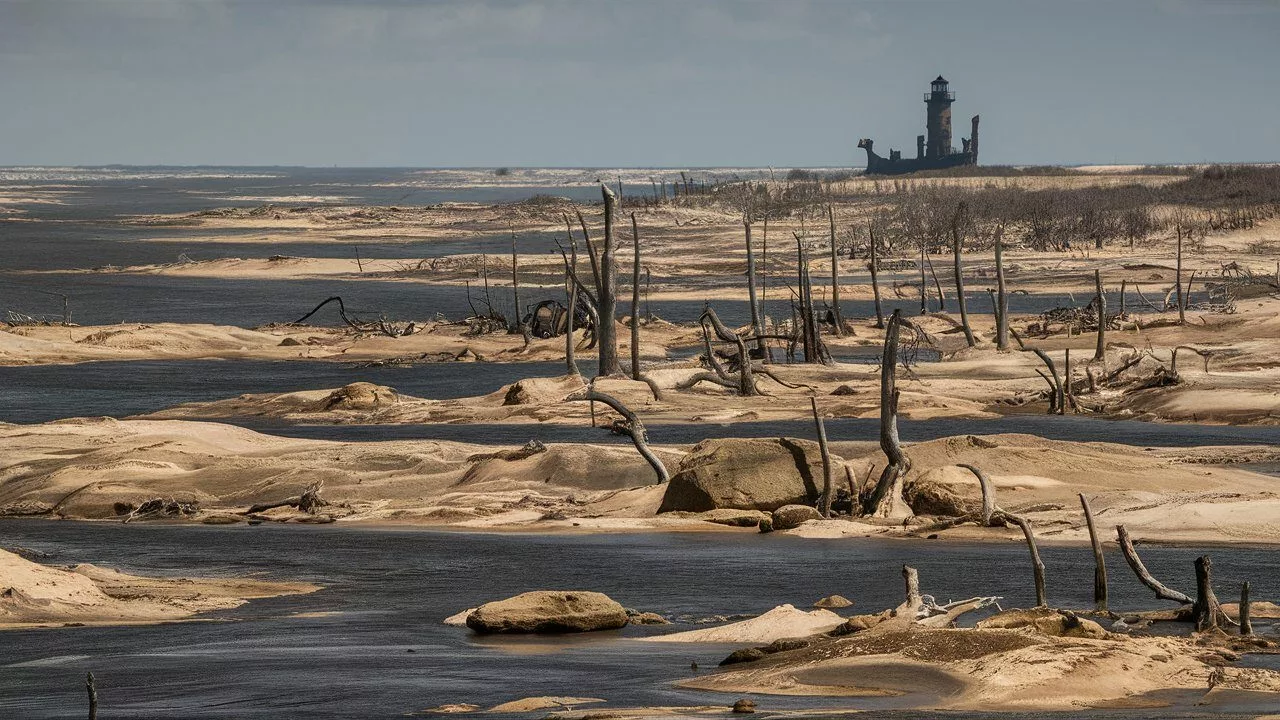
x: 784, y: 621
x: 34, y: 594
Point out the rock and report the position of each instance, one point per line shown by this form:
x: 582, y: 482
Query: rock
x: 949, y: 490
x: 549, y: 611
x: 845, y: 389
x: 360, y: 396
x: 531, y: 704
x: 744, y: 655
x: 26, y: 507
x: 833, y: 602
x: 542, y: 391
x: 744, y: 706
x: 450, y: 709
x: 858, y: 623
x: 766, y: 524
x: 1047, y: 621
x: 636, y: 617
x: 289, y: 342
x: 745, y: 474
x: 786, y: 645
x: 459, y: 619
x: 727, y: 516
x: 788, y: 517
x: 221, y: 519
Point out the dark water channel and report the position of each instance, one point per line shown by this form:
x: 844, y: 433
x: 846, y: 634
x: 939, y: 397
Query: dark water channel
x: 387, y: 590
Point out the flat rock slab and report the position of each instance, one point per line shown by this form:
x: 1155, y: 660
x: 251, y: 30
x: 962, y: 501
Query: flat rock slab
x: 549, y: 611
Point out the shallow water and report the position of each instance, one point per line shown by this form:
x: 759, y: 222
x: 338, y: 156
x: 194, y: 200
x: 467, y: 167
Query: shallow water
x: 389, y: 589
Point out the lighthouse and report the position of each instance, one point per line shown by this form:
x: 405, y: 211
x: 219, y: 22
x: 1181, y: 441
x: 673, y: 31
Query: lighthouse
x: 938, y: 122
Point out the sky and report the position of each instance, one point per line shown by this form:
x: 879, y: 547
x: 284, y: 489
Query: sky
x: 620, y: 83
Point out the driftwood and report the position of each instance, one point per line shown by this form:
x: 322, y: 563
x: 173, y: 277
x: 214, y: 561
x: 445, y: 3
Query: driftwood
x: 888, y: 490
x: 307, y: 501
x: 380, y: 326
x: 630, y: 426
x: 1099, y: 565
x: 1207, y: 612
x: 924, y: 610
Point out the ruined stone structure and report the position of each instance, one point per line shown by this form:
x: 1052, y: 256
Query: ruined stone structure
x: 933, y: 152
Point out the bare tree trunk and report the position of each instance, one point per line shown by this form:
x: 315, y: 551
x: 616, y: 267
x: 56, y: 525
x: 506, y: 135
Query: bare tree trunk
x: 875, y: 281
x: 1068, y: 396
x: 91, y: 686
x: 1002, y: 300
x: 924, y: 288
x: 955, y: 250
x: 911, y: 579
x: 635, y: 299
x: 515, y: 286
x: 1206, y: 611
x: 942, y: 299
x: 1161, y: 590
x: 1037, y: 567
x: 888, y: 489
x: 632, y: 427
x: 835, y: 276
x: 1177, y: 281
x: 988, y: 495
x: 827, y: 472
x: 756, y: 325
x: 607, y: 331
x: 1246, y: 625
x: 1099, y: 565
x: 571, y: 363
x: 1100, y: 353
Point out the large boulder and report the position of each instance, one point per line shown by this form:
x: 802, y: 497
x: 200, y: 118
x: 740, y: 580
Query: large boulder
x: 746, y: 474
x: 549, y: 611
x: 789, y: 517
x: 948, y: 490
x: 360, y: 396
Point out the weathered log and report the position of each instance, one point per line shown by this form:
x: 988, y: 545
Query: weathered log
x: 1161, y: 590
x: 828, y: 481
x: 911, y: 579
x: 1099, y: 565
x: 631, y: 426
x: 307, y: 501
x: 888, y: 490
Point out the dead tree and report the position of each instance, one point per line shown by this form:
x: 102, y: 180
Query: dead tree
x: 635, y: 300
x: 1100, y: 353
x: 1099, y: 565
x: 1057, y: 392
x: 92, y: 688
x: 308, y: 501
x: 827, y: 473
x: 875, y: 281
x: 629, y: 426
x: 756, y: 325
x: 1037, y: 567
x: 1002, y: 300
x: 988, y: 494
x: 1246, y: 625
x: 835, y: 276
x: 1177, y: 281
x: 1161, y: 590
x: 955, y: 251
x: 381, y: 326
x: 607, y: 290
x: 1206, y: 612
x: 885, y: 495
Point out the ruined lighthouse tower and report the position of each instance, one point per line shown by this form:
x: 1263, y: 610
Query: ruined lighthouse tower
x: 938, y: 122
x: 936, y: 153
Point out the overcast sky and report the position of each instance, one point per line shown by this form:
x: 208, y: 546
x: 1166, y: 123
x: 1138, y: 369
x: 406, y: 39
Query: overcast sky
x: 678, y: 83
